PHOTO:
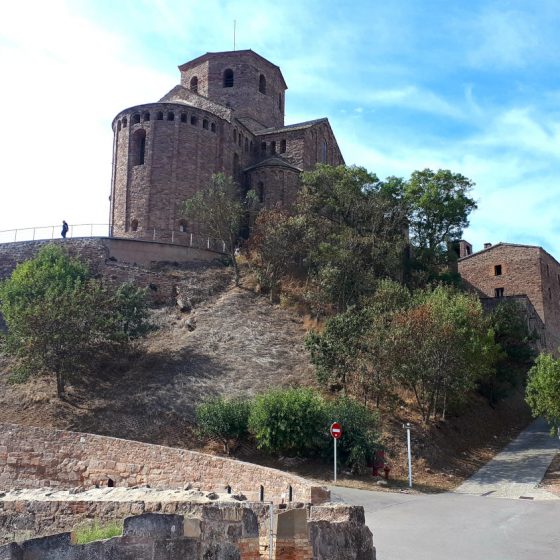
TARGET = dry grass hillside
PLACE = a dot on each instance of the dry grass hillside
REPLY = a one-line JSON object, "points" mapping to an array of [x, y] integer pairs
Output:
{"points": [[234, 342]]}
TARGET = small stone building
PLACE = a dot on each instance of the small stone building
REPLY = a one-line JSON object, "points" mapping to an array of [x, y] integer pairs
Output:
{"points": [[526, 273], [226, 115]]}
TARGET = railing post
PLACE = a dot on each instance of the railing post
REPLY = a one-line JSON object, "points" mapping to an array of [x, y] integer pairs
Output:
{"points": [[91, 231], [52, 233], [33, 234], [191, 239], [15, 235]]}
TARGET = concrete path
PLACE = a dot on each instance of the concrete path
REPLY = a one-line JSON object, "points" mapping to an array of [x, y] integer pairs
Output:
{"points": [[518, 469]]}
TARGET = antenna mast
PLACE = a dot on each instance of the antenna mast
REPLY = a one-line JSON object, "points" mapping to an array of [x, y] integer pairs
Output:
{"points": [[234, 23]]}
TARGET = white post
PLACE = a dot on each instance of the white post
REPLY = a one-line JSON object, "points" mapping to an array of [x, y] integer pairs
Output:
{"points": [[52, 233], [91, 230], [334, 459], [15, 235], [208, 243], [191, 239], [172, 235], [154, 235], [409, 455], [33, 234]]}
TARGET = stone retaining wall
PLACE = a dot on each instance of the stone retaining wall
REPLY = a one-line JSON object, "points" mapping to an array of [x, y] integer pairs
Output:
{"points": [[37, 457]]}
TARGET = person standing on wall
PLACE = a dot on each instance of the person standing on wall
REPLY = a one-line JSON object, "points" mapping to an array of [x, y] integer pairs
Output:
{"points": [[64, 229]]}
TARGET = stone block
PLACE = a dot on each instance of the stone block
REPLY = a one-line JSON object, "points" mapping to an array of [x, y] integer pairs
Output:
{"points": [[159, 525]]}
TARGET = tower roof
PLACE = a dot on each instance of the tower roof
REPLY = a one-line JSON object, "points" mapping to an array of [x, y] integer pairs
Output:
{"points": [[231, 55]]}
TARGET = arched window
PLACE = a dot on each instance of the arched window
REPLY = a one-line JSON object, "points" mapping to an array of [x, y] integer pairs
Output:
{"points": [[194, 84], [124, 123], [183, 117], [183, 226], [273, 147], [171, 116], [228, 78], [324, 151], [205, 124], [235, 165], [213, 127], [282, 146], [146, 116], [262, 83], [135, 119], [134, 225], [119, 125], [138, 147], [263, 147], [194, 120], [160, 116], [260, 191]]}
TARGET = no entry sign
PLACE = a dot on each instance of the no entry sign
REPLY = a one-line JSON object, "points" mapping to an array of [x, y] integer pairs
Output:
{"points": [[336, 430]]}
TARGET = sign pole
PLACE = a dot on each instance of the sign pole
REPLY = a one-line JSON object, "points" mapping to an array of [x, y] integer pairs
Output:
{"points": [[407, 426], [334, 459]]}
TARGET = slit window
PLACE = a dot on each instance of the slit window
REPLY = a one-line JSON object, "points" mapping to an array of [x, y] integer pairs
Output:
{"points": [[228, 78], [262, 84], [171, 116], [273, 147], [263, 147], [235, 135], [324, 151], [136, 119], [124, 123], [134, 225], [282, 146], [146, 117], [139, 147], [213, 127], [260, 191], [194, 84], [498, 270], [183, 226], [205, 124], [183, 117], [498, 292], [246, 144]]}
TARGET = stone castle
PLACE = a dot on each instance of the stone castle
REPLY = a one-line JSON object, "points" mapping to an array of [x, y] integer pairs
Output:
{"points": [[226, 115]]}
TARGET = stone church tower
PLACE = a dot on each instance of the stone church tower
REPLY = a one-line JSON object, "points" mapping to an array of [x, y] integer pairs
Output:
{"points": [[226, 115]]}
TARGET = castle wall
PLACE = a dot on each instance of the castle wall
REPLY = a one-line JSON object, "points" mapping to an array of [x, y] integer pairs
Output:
{"points": [[38, 457]]}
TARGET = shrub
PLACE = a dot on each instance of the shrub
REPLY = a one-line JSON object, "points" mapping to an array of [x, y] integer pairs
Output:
{"points": [[290, 421], [359, 433], [543, 390], [225, 420]]}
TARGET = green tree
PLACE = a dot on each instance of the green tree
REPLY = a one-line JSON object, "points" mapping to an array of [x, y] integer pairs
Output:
{"points": [[288, 421], [61, 321], [223, 419], [543, 390], [438, 209], [220, 212]]}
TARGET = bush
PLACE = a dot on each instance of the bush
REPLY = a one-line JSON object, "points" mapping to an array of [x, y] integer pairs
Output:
{"points": [[543, 390], [359, 433], [225, 420], [289, 421]]}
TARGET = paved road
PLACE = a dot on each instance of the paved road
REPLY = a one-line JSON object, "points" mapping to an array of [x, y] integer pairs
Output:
{"points": [[519, 468], [458, 527]]}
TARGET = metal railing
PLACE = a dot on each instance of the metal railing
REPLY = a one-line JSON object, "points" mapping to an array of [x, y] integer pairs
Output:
{"points": [[176, 237]]}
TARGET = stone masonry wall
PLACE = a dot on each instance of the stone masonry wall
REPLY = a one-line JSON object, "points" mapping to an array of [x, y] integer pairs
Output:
{"points": [[37, 457]]}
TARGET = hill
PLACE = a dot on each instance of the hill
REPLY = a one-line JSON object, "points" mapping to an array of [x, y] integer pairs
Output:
{"points": [[234, 342]]}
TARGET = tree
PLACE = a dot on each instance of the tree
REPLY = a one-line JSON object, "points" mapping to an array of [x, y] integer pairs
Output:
{"points": [[438, 208], [61, 321], [543, 390], [220, 211], [226, 420]]}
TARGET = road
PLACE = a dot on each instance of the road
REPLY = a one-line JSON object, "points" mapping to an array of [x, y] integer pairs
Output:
{"points": [[458, 527]]}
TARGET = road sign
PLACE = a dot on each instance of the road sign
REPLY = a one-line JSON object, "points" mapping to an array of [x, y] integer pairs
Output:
{"points": [[336, 430]]}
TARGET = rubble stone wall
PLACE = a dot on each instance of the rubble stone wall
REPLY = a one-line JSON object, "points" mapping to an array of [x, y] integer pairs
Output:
{"points": [[37, 457]]}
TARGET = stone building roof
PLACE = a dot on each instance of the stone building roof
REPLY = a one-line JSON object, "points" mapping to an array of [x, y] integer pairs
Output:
{"points": [[274, 161], [504, 244]]}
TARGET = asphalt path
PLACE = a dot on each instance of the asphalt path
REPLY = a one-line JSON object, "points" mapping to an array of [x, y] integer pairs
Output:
{"points": [[458, 527]]}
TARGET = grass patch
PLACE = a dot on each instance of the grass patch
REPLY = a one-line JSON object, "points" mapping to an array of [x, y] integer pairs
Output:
{"points": [[96, 531]]}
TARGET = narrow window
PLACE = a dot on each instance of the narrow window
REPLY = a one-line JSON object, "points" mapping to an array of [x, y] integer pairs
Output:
{"points": [[498, 292], [262, 84], [183, 117], [138, 147], [213, 127], [124, 123], [239, 140], [235, 135], [119, 125], [235, 165], [160, 116], [498, 270], [324, 151], [134, 225], [246, 144], [136, 119], [171, 116], [260, 191], [273, 147], [205, 124], [183, 226], [194, 120], [146, 117], [194, 84], [228, 78], [251, 150], [283, 146], [263, 147]]}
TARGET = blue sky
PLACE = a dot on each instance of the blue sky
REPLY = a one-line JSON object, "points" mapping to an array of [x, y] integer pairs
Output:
{"points": [[469, 86]]}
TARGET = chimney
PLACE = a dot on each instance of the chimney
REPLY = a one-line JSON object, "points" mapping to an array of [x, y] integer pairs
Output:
{"points": [[487, 245]]}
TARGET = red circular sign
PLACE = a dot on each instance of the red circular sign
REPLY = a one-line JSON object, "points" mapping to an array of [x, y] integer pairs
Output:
{"points": [[336, 430]]}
